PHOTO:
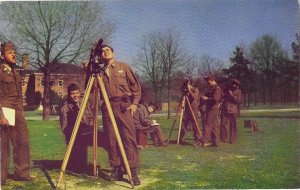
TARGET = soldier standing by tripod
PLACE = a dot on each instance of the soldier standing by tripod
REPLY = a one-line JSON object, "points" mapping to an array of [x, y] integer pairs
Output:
{"points": [[124, 92], [193, 96], [212, 101]]}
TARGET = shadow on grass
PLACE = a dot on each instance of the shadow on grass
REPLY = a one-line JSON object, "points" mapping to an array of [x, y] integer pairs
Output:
{"points": [[47, 165], [273, 116]]}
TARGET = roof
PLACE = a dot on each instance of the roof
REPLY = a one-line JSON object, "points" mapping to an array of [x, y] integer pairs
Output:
{"points": [[62, 68]]}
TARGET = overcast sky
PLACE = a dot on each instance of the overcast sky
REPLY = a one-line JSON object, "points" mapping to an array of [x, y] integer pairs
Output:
{"points": [[212, 27]]}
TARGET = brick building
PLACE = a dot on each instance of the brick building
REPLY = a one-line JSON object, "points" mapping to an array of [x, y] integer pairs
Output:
{"points": [[60, 79]]}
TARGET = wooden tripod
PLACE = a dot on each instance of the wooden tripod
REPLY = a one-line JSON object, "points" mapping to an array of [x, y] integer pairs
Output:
{"points": [[181, 108], [77, 124]]}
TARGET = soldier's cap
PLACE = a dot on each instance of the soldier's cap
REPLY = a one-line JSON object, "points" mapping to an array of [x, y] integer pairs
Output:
{"points": [[72, 87], [236, 81], [7, 47], [106, 45], [209, 77], [154, 105]]}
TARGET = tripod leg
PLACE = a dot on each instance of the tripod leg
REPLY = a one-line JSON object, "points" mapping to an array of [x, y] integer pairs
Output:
{"points": [[75, 130], [95, 133], [172, 128], [194, 117], [180, 121], [115, 128]]}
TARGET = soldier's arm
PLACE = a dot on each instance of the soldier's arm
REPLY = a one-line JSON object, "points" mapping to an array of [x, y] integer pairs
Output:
{"points": [[1, 112], [134, 86], [193, 93], [236, 96], [3, 120], [217, 95], [63, 117], [137, 120]]}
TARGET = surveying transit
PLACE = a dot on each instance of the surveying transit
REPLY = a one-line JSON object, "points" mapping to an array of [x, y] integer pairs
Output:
{"points": [[95, 70], [183, 105]]}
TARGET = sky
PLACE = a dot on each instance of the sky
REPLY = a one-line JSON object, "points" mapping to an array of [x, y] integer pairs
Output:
{"points": [[210, 27]]}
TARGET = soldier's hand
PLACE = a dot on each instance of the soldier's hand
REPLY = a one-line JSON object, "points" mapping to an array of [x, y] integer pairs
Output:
{"points": [[230, 92], [132, 108], [204, 97], [4, 122]]}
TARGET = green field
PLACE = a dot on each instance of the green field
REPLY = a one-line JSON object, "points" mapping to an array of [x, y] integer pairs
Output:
{"points": [[267, 159]]}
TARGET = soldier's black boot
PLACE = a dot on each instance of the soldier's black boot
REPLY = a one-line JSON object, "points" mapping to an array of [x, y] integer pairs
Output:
{"points": [[135, 178], [117, 174]]}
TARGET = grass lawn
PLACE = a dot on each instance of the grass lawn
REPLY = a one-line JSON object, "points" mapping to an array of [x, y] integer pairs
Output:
{"points": [[267, 159]]}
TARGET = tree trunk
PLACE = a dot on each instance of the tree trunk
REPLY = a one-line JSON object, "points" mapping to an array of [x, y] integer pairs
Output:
{"points": [[46, 102], [297, 99], [169, 88], [249, 99]]}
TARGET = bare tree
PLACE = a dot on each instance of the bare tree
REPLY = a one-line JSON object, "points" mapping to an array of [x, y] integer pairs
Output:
{"points": [[209, 65], [296, 57], [159, 58], [149, 63], [54, 32], [171, 55], [189, 67]]}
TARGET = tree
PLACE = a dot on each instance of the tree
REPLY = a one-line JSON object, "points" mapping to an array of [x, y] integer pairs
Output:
{"points": [[55, 32], [159, 58], [266, 53], [171, 55], [296, 57], [209, 65], [30, 91], [241, 71], [150, 65]]}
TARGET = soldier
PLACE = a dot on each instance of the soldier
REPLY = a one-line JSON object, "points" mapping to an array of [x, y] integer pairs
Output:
{"points": [[193, 96], [143, 124], [124, 92], [68, 115], [11, 97], [212, 103], [229, 110]]}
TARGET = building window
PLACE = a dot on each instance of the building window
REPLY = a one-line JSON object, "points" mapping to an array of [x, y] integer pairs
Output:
{"points": [[60, 82], [41, 81], [23, 82]]}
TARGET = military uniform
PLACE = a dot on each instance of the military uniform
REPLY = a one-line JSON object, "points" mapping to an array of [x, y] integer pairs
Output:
{"points": [[123, 89], [68, 113], [143, 124], [188, 119], [211, 114], [11, 97], [229, 112]]}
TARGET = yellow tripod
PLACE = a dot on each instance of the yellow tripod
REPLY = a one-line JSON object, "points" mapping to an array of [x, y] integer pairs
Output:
{"points": [[77, 124], [181, 109]]}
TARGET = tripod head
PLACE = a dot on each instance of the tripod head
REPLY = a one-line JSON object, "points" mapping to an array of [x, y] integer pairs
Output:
{"points": [[185, 87], [96, 64]]}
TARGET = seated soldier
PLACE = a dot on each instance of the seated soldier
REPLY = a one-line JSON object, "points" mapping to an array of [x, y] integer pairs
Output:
{"points": [[78, 159], [143, 124]]}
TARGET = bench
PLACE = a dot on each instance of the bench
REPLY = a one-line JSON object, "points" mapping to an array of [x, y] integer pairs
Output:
{"points": [[141, 138]]}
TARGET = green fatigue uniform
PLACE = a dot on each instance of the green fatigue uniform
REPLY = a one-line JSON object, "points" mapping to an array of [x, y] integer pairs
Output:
{"points": [[211, 114], [11, 97], [143, 124], [193, 97], [229, 112], [79, 155], [123, 89]]}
